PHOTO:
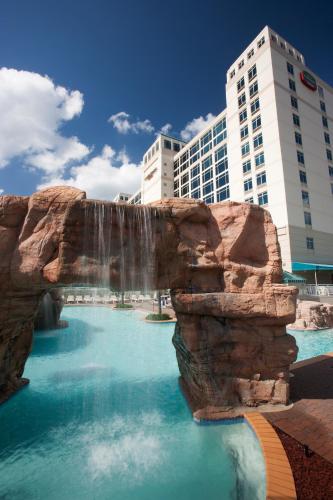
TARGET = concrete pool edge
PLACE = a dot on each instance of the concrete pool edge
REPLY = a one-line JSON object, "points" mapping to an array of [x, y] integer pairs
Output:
{"points": [[279, 477]]}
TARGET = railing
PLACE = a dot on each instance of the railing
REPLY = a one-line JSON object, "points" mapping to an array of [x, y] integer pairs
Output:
{"points": [[315, 290]]}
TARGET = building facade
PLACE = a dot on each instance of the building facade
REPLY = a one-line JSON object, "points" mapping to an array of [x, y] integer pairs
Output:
{"points": [[272, 145]]}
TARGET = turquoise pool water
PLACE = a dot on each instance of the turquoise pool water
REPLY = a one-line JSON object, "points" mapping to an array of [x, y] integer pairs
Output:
{"points": [[313, 343], [103, 418]]}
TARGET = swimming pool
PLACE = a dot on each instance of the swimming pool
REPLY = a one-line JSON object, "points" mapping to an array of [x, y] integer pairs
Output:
{"points": [[103, 418], [313, 343]]}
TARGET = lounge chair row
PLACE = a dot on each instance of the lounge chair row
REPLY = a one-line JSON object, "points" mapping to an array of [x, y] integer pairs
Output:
{"points": [[105, 299]]}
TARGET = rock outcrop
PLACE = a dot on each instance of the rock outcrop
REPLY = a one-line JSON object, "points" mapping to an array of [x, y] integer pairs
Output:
{"points": [[312, 315], [221, 262]]}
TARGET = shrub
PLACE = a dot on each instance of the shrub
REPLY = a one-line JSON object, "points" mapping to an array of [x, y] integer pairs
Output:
{"points": [[158, 317], [124, 306]]}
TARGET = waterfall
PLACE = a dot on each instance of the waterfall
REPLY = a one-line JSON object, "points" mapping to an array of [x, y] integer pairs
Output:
{"points": [[119, 245]]}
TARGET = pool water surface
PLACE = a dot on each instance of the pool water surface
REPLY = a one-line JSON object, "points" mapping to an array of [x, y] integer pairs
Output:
{"points": [[103, 418]]}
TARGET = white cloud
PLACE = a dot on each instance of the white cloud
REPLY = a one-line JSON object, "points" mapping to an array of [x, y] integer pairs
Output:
{"points": [[195, 126], [32, 111], [122, 123], [166, 129], [103, 176]]}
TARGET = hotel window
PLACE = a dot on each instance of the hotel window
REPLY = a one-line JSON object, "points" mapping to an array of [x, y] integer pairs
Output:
{"points": [[194, 158], [306, 198], [261, 42], [296, 121], [158, 146], [300, 157], [194, 148], [221, 125], [249, 200], [209, 199], [240, 84], [145, 159], [247, 167], [176, 146], [220, 138], [176, 166], [185, 190], [255, 105], [261, 179], [223, 194], [291, 52], [195, 171], [273, 38], [221, 166], [244, 132], [184, 157], [298, 138], [195, 194], [241, 100], [177, 193], [220, 153], [207, 162], [248, 185], [176, 184], [283, 45], [206, 138], [332, 189], [327, 138], [259, 160], [294, 102], [330, 171], [257, 141], [302, 177], [185, 178], [207, 148], [195, 183], [222, 180], [184, 166], [256, 123], [207, 175], [253, 89], [241, 64], [250, 53], [252, 72], [320, 91], [208, 188], [329, 154], [149, 155], [245, 149], [310, 243], [292, 85], [232, 73], [307, 219], [325, 123], [167, 144], [290, 68], [323, 106], [263, 198], [242, 116]]}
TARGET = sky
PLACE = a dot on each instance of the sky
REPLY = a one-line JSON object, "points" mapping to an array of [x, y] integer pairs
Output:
{"points": [[86, 85]]}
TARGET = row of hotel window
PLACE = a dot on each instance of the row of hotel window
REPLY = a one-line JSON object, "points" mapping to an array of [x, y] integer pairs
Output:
{"points": [[250, 54], [194, 154], [262, 199], [208, 194], [252, 73], [167, 144], [205, 167], [261, 181], [257, 142]]}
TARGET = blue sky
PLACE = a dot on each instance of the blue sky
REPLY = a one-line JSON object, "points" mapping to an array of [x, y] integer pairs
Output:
{"points": [[161, 63]]}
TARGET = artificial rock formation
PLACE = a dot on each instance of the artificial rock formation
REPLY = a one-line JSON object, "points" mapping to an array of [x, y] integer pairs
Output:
{"points": [[312, 315], [221, 262]]}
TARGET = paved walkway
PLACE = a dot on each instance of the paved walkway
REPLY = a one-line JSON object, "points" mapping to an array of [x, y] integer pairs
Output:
{"points": [[310, 420]]}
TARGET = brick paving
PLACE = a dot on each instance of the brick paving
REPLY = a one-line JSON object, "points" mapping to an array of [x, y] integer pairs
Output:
{"points": [[310, 420]]}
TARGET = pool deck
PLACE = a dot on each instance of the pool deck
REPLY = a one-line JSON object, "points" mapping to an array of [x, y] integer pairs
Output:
{"points": [[310, 420]]}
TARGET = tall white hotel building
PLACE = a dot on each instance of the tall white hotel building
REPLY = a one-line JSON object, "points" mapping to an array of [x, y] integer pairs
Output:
{"points": [[270, 146]]}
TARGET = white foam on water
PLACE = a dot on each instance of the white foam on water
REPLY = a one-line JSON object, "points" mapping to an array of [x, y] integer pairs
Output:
{"points": [[132, 456]]}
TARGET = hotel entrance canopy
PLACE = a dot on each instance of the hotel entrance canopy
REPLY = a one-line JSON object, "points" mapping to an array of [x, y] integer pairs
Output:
{"points": [[310, 266]]}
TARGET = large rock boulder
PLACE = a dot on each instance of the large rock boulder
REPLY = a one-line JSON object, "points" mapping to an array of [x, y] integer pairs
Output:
{"points": [[221, 262], [312, 315]]}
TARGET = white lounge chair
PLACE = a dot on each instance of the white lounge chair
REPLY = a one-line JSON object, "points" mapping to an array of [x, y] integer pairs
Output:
{"points": [[114, 299], [134, 298], [79, 299], [106, 299], [141, 298], [88, 299], [70, 299]]}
